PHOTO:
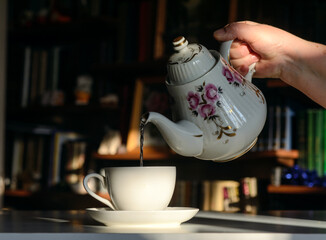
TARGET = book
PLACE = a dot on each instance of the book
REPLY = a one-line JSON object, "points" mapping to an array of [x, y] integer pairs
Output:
{"points": [[43, 74], [302, 138], [60, 138], [30, 157], [206, 195], [159, 45], [311, 139], [278, 128], [195, 194], [17, 161], [185, 194], [40, 152], [271, 128], [249, 193], [26, 76], [318, 142], [55, 68], [73, 160], [223, 193], [288, 128], [34, 77]]}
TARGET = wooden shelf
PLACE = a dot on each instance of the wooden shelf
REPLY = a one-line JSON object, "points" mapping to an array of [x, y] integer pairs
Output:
{"points": [[292, 189], [149, 153], [283, 157], [66, 109], [273, 154], [17, 193]]}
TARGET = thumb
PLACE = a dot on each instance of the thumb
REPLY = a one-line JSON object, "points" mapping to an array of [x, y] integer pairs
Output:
{"points": [[239, 30]]}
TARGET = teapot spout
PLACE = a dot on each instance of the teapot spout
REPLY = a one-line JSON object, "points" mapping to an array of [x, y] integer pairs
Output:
{"points": [[184, 137]]}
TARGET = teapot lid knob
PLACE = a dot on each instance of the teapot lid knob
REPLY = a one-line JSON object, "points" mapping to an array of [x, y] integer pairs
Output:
{"points": [[180, 43], [188, 62]]}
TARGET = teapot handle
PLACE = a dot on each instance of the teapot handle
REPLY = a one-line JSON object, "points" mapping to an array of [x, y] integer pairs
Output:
{"points": [[225, 53]]}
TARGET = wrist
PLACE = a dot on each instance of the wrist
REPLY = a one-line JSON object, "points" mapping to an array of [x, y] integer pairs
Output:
{"points": [[305, 70], [296, 61]]}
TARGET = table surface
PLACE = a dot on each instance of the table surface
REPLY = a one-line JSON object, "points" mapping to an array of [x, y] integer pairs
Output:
{"points": [[287, 225]]}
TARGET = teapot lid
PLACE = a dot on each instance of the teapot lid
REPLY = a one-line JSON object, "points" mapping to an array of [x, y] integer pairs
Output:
{"points": [[189, 62]]}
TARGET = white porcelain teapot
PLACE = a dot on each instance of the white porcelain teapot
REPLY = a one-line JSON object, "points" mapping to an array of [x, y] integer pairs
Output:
{"points": [[218, 114]]}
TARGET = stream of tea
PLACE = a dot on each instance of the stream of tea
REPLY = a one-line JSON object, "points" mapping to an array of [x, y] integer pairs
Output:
{"points": [[141, 133]]}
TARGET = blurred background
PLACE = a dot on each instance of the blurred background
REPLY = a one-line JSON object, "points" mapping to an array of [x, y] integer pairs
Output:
{"points": [[78, 74]]}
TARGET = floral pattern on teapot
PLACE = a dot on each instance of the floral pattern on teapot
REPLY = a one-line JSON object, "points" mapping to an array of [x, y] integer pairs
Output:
{"points": [[206, 99], [203, 102], [234, 78]]}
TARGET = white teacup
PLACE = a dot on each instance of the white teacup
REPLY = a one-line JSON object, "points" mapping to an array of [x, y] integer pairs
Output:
{"points": [[136, 188]]}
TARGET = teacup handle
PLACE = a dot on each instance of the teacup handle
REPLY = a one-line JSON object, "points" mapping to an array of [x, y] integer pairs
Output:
{"points": [[225, 53], [93, 194]]}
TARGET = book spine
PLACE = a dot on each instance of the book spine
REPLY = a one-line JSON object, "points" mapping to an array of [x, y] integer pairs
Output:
{"points": [[278, 122], [206, 195], [310, 139], [26, 76], [55, 68], [318, 143], [271, 128], [288, 131], [35, 76], [17, 161], [159, 46], [43, 74], [302, 139]]}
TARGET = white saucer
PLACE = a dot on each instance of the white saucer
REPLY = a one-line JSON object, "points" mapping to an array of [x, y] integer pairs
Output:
{"points": [[171, 217]]}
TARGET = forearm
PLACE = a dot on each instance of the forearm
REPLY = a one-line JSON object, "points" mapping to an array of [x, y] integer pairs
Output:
{"points": [[305, 69]]}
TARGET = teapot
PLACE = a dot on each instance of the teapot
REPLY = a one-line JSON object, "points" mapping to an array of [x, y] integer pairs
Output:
{"points": [[217, 113]]}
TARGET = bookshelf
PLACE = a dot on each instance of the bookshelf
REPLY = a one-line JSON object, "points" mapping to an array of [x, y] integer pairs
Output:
{"points": [[101, 43], [48, 53]]}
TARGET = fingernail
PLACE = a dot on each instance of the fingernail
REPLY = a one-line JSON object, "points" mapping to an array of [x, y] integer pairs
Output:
{"points": [[225, 27], [255, 57], [217, 32]]}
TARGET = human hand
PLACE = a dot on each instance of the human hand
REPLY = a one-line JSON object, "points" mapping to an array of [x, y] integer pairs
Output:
{"points": [[277, 54], [267, 46]]}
